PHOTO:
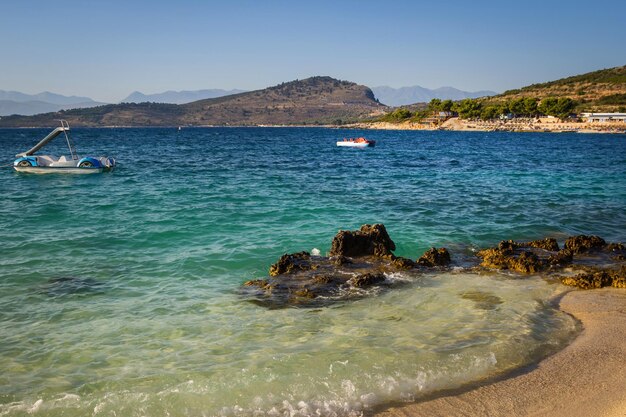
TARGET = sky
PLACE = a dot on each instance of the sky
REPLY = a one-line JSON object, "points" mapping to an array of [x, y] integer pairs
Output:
{"points": [[107, 49]]}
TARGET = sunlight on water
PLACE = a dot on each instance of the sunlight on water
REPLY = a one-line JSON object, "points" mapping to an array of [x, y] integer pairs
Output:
{"points": [[183, 354], [119, 292]]}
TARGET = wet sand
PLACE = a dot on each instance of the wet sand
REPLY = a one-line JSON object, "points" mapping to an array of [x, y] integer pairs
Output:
{"points": [[587, 378]]}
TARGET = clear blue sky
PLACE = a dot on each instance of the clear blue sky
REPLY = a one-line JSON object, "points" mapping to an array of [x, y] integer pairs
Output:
{"points": [[107, 49]]}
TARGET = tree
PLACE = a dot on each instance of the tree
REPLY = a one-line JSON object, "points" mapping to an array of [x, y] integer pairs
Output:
{"points": [[446, 105], [530, 106], [490, 112], [559, 107], [397, 115], [517, 106], [468, 108], [434, 105]]}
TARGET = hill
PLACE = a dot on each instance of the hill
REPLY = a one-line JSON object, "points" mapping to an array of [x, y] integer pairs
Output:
{"points": [[315, 100], [416, 94], [602, 90], [178, 97]]}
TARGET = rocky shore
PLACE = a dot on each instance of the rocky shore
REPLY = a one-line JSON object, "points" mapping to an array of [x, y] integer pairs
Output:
{"points": [[586, 378], [513, 125], [362, 261]]}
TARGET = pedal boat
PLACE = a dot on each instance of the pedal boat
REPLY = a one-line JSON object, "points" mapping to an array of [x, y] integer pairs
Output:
{"points": [[357, 143], [72, 164]]}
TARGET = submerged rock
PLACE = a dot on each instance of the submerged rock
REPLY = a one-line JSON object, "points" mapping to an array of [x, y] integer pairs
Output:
{"points": [[64, 286]]}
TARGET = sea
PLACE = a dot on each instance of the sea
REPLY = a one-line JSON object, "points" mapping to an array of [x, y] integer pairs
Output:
{"points": [[120, 293]]}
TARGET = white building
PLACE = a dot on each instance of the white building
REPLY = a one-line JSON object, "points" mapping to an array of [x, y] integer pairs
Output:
{"points": [[604, 117]]}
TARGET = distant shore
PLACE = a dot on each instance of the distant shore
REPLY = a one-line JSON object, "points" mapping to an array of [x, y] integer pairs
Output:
{"points": [[513, 125], [587, 378]]}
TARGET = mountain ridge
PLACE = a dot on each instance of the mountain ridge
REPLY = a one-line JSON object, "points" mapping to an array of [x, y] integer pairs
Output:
{"points": [[312, 101], [15, 102], [417, 94], [179, 97]]}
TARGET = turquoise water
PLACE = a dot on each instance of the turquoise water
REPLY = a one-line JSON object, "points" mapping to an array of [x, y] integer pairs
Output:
{"points": [[152, 323]]}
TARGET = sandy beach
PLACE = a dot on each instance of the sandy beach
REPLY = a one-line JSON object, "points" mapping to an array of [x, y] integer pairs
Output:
{"points": [[587, 378]]}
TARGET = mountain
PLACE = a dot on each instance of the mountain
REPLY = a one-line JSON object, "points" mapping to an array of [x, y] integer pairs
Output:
{"points": [[602, 90], [315, 100], [416, 94], [14, 102], [178, 97]]}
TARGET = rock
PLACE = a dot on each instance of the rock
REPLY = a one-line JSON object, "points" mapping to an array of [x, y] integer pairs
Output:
{"points": [[619, 278], [561, 258], [305, 293], [402, 263], [582, 243], [369, 240], [289, 263], [504, 258], [588, 280], [261, 283], [549, 244], [598, 279], [435, 257], [526, 262], [341, 260], [366, 280], [495, 258]]}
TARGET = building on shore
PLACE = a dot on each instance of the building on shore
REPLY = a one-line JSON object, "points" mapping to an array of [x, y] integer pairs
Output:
{"points": [[604, 117]]}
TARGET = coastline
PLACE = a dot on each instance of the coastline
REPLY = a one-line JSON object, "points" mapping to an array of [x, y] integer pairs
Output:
{"points": [[586, 378], [514, 125]]}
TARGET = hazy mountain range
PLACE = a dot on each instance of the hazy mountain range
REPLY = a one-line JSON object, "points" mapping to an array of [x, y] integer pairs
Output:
{"points": [[416, 94], [14, 102], [178, 97], [313, 101]]}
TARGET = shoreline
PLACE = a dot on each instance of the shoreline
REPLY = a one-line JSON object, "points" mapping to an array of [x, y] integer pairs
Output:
{"points": [[514, 125], [586, 378], [453, 124]]}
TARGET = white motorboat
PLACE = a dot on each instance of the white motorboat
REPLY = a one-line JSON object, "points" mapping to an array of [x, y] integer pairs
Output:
{"points": [[43, 164], [357, 143]]}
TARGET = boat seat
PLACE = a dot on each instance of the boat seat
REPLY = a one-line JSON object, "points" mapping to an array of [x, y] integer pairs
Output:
{"points": [[62, 158]]}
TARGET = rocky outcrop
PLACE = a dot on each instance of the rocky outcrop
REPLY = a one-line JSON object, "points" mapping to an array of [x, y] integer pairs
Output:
{"points": [[435, 257], [597, 279], [542, 255], [369, 240], [581, 244], [580, 252], [359, 260], [289, 263]]}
